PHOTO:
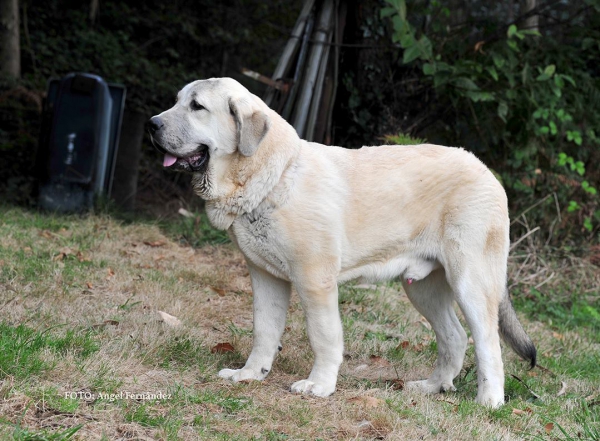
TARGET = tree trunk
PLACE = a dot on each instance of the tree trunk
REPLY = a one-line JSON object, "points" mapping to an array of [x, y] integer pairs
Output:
{"points": [[10, 50]]}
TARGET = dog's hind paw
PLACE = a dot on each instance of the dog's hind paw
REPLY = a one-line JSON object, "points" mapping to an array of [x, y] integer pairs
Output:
{"points": [[310, 387], [243, 374], [428, 387]]}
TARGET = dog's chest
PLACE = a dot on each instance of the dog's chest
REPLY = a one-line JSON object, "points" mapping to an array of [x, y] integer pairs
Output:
{"points": [[256, 236]]}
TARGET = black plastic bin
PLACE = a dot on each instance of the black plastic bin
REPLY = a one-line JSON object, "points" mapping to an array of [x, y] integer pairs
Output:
{"points": [[79, 141]]}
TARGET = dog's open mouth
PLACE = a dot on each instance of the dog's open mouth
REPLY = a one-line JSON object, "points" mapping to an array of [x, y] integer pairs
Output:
{"points": [[193, 163]]}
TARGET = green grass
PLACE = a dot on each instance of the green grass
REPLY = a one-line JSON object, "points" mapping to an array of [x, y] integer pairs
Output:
{"points": [[54, 338], [24, 434], [21, 349], [228, 402], [194, 231], [180, 352], [563, 308]]}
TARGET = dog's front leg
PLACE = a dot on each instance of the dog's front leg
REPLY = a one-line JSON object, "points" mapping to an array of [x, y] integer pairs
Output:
{"points": [[271, 297], [324, 329]]}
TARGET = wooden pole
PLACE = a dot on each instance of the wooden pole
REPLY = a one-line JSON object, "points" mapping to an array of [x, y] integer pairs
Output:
{"points": [[289, 53], [322, 34]]}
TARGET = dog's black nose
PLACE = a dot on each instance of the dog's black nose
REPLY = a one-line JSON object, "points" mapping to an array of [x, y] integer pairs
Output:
{"points": [[155, 124]]}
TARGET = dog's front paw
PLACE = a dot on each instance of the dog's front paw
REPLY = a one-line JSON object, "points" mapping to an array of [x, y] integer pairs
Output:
{"points": [[310, 387], [243, 374], [490, 400]]}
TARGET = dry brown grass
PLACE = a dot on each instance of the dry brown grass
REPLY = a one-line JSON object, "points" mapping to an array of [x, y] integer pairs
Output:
{"points": [[96, 273]]}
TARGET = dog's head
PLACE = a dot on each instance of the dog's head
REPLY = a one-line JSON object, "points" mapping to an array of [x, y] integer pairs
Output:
{"points": [[211, 123]]}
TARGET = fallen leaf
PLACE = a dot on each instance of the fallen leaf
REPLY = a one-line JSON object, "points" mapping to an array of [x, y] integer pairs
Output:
{"points": [[563, 389], [548, 428], [110, 273], [221, 292], [82, 258], [375, 359], [526, 411], [62, 253], [396, 384], [89, 285], [418, 347], [366, 401], [557, 336], [221, 348], [404, 345], [169, 319], [155, 244], [479, 47], [45, 233]]}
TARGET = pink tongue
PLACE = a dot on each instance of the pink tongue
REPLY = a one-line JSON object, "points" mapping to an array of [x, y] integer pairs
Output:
{"points": [[169, 160]]}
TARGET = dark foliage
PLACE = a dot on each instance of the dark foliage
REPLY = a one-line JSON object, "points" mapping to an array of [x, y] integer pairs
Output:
{"points": [[526, 101]]}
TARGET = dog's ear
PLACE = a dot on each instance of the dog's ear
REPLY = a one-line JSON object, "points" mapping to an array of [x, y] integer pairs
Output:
{"points": [[252, 124]]}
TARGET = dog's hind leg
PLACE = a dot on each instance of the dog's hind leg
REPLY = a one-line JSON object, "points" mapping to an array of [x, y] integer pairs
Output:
{"points": [[271, 297], [479, 293], [433, 298]]}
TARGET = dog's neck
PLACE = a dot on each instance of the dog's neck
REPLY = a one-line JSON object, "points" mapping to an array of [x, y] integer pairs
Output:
{"points": [[258, 182]]}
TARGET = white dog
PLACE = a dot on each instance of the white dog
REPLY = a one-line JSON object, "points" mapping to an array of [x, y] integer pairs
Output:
{"points": [[311, 216]]}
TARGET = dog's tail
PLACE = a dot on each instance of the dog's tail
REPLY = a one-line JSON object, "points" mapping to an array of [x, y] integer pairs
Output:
{"points": [[512, 331]]}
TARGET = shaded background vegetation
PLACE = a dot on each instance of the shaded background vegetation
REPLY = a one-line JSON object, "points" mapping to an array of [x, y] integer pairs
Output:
{"points": [[514, 82]]}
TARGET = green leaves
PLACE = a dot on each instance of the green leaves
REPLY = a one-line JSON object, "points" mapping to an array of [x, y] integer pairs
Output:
{"points": [[588, 188], [573, 206], [566, 160], [429, 69], [493, 73], [404, 33], [574, 136], [511, 96], [465, 83], [547, 73], [411, 53], [502, 110], [396, 6]]}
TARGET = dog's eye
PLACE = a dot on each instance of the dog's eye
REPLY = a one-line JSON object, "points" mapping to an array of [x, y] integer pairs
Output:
{"points": [[195, 105]]}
